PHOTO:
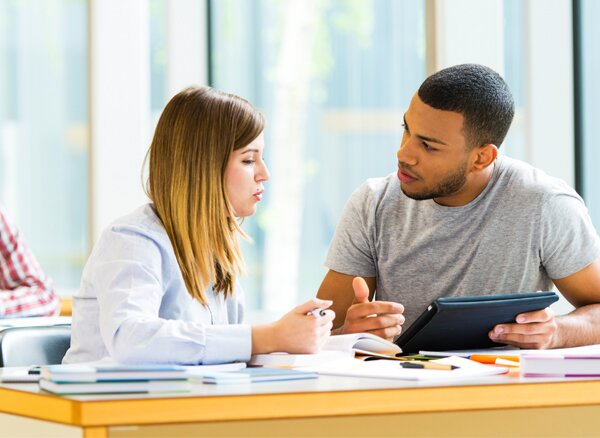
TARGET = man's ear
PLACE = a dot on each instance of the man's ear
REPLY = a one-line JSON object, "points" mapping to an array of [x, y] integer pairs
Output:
{"points": [[485, 155]]}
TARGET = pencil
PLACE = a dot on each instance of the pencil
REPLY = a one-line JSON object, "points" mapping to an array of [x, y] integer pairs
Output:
{"points": [[428, 365]]}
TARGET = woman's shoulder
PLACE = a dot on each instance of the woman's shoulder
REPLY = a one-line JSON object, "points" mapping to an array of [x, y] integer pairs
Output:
{"points": [[142, 224], [142, 218]]}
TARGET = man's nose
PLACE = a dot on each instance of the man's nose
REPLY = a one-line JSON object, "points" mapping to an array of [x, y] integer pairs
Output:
{"points": [[406, 153]]}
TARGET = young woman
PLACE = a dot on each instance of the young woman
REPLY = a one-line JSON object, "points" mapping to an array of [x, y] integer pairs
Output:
{"points": [[161, 283]]}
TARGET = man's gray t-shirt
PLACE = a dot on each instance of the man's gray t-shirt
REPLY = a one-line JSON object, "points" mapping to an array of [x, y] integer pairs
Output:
{"points": [[524, 229]]}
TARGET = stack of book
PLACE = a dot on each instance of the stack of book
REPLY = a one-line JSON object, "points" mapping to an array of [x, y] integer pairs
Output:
{"points": [[551, 364], [99, 379]]}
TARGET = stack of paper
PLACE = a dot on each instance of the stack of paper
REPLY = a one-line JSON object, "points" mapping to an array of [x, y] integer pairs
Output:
{"points": [[549, 364], [86, 379]]}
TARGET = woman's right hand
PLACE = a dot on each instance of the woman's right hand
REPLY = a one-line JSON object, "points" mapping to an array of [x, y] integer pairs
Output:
{"points": [[297, 331]]}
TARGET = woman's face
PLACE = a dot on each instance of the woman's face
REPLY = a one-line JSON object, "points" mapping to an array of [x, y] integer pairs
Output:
{"points": [[244, 176]]}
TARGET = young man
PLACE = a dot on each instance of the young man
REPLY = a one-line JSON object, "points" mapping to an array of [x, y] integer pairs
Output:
{"points": [[24, 289], [457, 219]]}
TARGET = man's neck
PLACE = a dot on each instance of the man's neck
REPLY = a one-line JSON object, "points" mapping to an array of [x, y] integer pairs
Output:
{"points": [[475, 184]]}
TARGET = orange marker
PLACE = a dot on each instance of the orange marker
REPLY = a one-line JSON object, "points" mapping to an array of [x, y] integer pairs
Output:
{"points": [[491, 358]]}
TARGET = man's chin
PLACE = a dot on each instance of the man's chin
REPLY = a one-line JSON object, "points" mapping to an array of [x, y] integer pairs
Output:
{"points": [[417, 196]]}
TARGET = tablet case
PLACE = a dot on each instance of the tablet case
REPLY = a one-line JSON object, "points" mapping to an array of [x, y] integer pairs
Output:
{"points": [[463, 323]]}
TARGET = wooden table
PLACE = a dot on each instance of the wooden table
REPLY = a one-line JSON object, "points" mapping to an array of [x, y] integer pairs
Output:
{"points": [[327, 406]]}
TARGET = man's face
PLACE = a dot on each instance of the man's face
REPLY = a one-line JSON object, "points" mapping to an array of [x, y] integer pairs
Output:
{"points": [[433, 159]]}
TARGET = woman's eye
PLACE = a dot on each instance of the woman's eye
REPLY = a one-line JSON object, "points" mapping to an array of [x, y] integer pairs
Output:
{"points": [[248, 161]]}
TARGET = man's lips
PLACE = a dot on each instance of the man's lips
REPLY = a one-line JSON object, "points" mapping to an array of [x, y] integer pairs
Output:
{"points": [[405, 177]]}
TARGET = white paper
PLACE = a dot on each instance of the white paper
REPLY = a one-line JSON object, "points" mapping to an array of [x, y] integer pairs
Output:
{"points": [[35, 321], [17, 375], [391, 369]]}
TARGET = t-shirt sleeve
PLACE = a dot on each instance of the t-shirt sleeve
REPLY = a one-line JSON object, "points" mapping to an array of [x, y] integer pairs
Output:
{"points": [[352, 249], [569, 240]]}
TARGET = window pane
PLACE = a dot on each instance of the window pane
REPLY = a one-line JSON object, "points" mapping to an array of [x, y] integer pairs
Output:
{"points": [[333, 79], [590, 98], [158, 59], [44, 130], [515, 144]]}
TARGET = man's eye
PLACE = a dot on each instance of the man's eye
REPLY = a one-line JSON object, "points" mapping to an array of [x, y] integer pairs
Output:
{"points": [[428, 148]]}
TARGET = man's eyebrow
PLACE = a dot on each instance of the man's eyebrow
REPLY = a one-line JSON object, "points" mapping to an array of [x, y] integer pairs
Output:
{"points": [[423, 137]]}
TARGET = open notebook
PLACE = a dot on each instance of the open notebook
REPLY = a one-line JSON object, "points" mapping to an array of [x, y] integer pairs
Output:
{"points": [[391, 369], [337, 347]]}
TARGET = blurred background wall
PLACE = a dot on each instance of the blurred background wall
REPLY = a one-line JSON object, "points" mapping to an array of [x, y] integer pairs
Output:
{"points": [[82, 83]]}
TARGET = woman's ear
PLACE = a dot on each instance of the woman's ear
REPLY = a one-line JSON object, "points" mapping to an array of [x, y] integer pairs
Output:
{"points": [[484, 156]]}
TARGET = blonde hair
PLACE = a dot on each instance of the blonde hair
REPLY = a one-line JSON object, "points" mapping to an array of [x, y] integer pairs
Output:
{"points": [[195, 136]]}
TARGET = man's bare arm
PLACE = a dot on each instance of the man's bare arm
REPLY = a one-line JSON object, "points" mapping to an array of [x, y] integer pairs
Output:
{"points": [[542, 329], [338, 288], [355, 312]]}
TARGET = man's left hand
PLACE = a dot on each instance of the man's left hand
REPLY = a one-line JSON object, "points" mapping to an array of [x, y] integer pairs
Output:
{"points": [[535, 330]]}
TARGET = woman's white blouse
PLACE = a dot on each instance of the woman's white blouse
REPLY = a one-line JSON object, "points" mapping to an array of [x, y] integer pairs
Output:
{"points": [[133, 305]]}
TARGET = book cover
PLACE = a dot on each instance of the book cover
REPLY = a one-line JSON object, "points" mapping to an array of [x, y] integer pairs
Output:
{"points": [[115, 387], [252, 375], [117, 372], [108, 373]]}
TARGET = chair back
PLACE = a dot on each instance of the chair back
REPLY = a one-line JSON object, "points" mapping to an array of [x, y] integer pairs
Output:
{"points": [[28, 346]]}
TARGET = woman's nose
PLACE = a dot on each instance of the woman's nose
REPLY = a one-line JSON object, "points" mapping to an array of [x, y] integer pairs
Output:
{"points": [[263, 173]]}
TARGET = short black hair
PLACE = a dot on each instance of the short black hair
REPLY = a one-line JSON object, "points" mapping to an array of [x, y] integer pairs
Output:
{"points": [[479, 94]]}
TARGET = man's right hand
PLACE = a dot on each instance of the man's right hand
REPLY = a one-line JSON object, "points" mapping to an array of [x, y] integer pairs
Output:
{"points": [[381, 318]]}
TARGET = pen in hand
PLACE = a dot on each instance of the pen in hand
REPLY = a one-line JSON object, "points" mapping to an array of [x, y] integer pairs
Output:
{"points": [[316, 312]]}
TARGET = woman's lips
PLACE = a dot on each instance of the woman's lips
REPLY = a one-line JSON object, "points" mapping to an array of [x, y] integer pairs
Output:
{"points": [[405, 177], [258, 195]]}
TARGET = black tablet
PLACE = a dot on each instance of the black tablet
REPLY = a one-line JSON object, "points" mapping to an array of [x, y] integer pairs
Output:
{"points": [[463, 323]]}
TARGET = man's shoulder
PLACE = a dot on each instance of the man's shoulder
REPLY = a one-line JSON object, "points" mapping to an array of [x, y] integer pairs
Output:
{"points": [[523, 178]]}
